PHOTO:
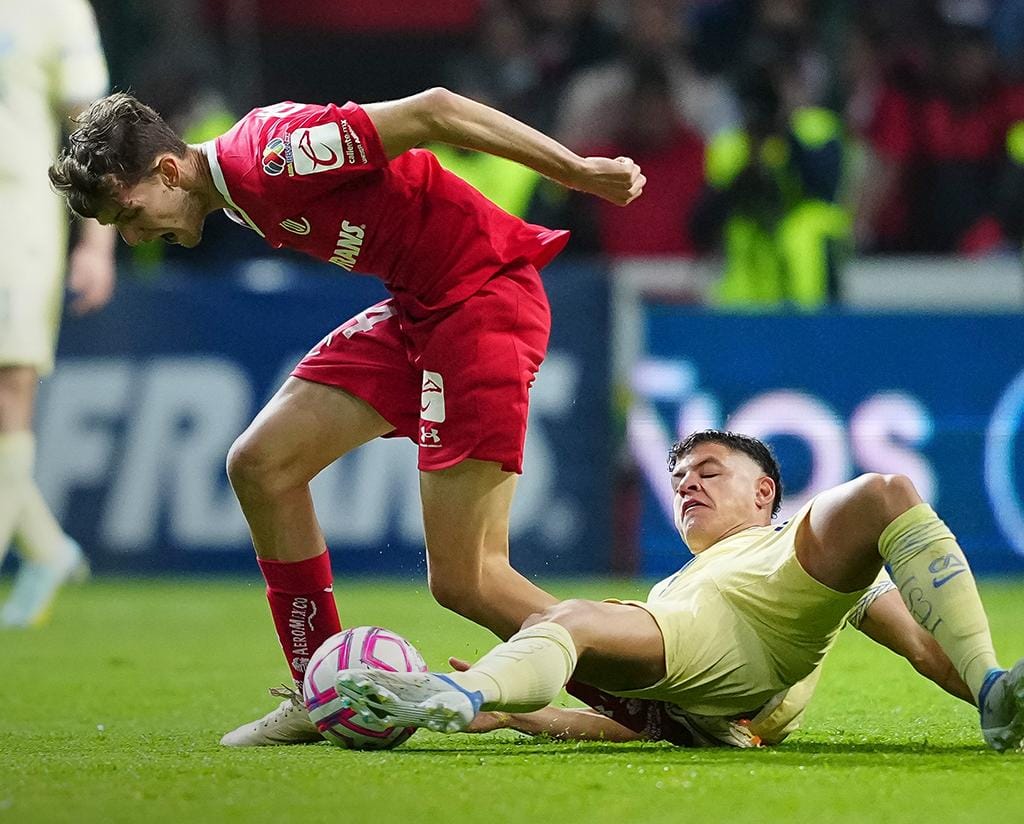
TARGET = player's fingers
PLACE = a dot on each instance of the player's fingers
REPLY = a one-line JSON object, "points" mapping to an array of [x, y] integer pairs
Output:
{"points": [[83, 305], [91, 299], [85, 301], [458, 664]]}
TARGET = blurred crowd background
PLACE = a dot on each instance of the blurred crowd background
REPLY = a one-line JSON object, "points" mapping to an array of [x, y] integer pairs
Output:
{"points": [[827, 255], [784, 135]]}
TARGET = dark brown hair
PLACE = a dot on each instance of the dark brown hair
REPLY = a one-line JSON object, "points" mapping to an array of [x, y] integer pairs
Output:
{"points": [[757, 450], [116, 142]]}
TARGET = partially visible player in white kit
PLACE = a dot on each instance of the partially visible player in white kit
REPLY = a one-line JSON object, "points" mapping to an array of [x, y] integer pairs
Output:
{"points": [[51, 67]]}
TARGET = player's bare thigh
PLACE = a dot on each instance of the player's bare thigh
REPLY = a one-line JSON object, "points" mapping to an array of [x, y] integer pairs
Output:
{"points": [[837, 543], [17, 397], [305, 427], [620, 646], [468, 504], [466, 523]]}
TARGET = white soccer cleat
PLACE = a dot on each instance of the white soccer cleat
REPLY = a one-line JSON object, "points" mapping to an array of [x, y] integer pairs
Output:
{"points": [[713, 731], [408, 699], [288, 724], [1002, 709], [37, 583]]}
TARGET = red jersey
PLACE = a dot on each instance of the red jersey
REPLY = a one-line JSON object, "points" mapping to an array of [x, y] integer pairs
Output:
{"points": [[316, 179]]}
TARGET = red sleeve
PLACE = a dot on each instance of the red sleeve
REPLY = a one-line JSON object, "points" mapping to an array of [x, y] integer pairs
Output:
{"points": [[306, 150], [892, 129]]}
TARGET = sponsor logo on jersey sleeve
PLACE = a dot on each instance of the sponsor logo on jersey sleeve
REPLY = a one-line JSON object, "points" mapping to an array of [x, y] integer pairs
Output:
{"points": [[432, 397], [317, 149], [353, 145]]}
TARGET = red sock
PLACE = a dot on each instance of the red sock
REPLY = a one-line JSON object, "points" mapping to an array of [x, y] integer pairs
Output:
{"points": [[302, 602]]}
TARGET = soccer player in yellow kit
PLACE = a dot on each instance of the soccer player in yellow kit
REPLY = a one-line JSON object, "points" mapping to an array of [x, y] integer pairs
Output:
{"points": [[51, 66], [750, 617]]}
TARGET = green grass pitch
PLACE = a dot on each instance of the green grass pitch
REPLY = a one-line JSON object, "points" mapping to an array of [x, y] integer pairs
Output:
{"points": [[112, 713]]}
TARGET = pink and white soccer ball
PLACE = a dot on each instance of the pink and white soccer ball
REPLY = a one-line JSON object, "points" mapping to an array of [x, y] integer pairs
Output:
{"points": [[358, 648]]}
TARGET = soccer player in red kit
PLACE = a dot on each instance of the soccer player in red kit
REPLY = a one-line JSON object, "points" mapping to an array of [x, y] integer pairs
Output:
{"points": [[447, 361]]}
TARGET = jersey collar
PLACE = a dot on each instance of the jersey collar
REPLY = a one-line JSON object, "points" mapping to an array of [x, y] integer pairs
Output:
{"points": [[210, 150]]}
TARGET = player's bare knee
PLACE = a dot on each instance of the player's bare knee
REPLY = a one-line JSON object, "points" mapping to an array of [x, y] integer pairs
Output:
{"points": [[888, 495], [248, 464], [461, 594], [578, 615], [17, 391]]}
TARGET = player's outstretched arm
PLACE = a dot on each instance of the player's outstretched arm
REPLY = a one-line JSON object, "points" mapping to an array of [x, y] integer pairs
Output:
{"points": [[446, 117], [888, 622], [557, 722]]}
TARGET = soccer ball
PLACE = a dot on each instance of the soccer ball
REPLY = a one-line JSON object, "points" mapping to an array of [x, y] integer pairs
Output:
{"points": [[358, 648]]}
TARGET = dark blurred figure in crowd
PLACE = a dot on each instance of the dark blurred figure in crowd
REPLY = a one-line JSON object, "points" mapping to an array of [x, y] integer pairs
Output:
{"points": [[566, 37], [938, 143], [771, 199], [880, 45], [499, 65], [786, 38], [653, 31], [524, 51], [1007, 26], [650, 130]]}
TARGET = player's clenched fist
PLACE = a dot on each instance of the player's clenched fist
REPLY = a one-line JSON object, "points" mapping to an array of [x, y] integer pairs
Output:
{"points": [[618, 180]]}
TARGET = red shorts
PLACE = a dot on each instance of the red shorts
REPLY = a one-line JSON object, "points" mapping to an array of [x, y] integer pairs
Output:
{"points": [[457, 381]]}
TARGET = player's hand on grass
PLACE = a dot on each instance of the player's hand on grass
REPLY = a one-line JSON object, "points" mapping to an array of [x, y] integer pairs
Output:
{"points": [[617, 180], [90, 278], [484, 721]]}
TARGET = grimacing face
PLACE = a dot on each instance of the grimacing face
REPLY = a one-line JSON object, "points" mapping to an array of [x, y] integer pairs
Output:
{"points": [[718, 492], [157, 207]]}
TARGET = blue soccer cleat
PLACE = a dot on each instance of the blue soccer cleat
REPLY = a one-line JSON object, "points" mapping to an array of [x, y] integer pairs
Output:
{"points": [[37, 583], [408, 699], [1001, 705]]}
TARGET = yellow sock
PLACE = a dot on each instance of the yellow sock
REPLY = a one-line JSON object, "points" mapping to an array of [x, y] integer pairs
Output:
{"points": [[16, 457], [37, 533], [932, 575], [525, 673]]}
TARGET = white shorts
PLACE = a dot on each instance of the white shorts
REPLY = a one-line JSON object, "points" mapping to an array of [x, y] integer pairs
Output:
{"points": [[34, 244]]}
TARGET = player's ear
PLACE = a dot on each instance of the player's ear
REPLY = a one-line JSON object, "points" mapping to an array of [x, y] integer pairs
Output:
{"points": [[765, 492], [168, 167]]}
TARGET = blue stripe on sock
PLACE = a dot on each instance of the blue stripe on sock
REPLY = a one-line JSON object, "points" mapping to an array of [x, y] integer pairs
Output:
{"points": [[991, 677], [475, 697]]}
